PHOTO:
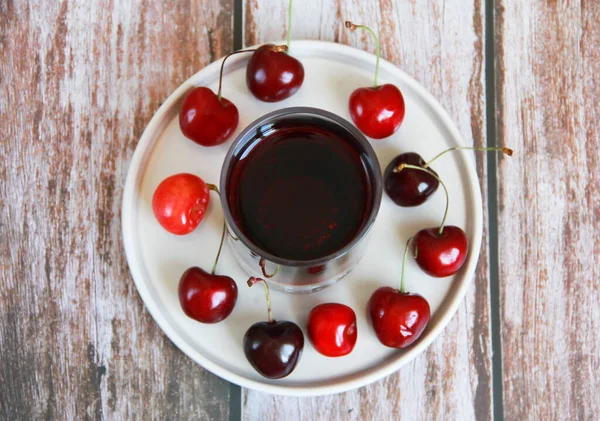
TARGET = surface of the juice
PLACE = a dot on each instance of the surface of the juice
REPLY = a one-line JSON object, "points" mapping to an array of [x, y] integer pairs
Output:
{"points": [[300, 194]]}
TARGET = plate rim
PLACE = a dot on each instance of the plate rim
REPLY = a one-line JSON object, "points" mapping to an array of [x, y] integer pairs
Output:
{"points": [[144, 147]]}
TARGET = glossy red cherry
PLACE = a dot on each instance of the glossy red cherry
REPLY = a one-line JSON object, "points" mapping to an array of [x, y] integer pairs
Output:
{"points": [[179, 202], [207, 120], [273, 75], [332, 329], [206, 297], [377, 111], [439, 251], [273, 348], [441, 254], [398, 318], [409, 187], [413, 187]]}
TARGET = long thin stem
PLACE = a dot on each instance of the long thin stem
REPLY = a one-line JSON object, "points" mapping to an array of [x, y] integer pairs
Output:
{"points": [[404, 264], [223, 66], [353, 27], [263, 267], [507, 151], [289, 26], [428, 171], [214, 268], [253, 281]]}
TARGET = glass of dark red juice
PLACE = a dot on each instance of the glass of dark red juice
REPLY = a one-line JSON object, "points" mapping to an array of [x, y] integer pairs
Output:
{"points": [[301, 188]]}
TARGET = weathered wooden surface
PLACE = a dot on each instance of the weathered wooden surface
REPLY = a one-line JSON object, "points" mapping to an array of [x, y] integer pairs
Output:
{"points": [[441, 44], [549, 207], [79, 80]]}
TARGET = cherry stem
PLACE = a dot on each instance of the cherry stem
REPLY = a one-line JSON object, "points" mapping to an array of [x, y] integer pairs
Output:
{"points": [[404, 264], [430, 172], [214, 268], [263, 268], [507, 151], [289, 28], [353, 27], [223, 66], [253, 281]]}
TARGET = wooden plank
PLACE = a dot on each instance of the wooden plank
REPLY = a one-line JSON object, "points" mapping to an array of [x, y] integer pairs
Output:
{"points": [[440, 43], [79, 81], [549, 208]]}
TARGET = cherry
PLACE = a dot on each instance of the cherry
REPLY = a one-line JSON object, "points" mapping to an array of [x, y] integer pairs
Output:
{"points": [[273, 348], [412, 187], [440, 251], [272, 74], [180, 201], [409, 187], [332, 329], [207, 297], [377, 111], [206, 118], [398, 317]]}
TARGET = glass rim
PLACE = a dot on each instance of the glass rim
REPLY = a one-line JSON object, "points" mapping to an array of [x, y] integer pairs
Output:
{"points": [[373, 170]]}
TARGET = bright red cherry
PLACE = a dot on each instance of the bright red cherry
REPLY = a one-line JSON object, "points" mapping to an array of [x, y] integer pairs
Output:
{"points": [[273, 75], [441, 253], [332, 329], [180, 201], [413, 187], [398, 317], [273, 348], [206, 297], [377, 111]]}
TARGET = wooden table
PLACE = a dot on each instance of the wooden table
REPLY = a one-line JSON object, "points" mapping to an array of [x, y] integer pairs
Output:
{"points": [[79, 80]]}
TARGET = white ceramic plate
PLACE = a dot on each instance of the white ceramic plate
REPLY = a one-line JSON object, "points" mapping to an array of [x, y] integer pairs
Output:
{"points": [[157, 259]]}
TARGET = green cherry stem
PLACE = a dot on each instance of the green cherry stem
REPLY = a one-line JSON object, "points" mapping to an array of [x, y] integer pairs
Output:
{"points": [[353, 27], [253, 281], [214, 268], [507, 151], [402, 291], [289, 28], [428, 171]]}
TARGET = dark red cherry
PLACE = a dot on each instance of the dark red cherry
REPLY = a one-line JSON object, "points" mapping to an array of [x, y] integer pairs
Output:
{"points": [[273, 348], [332, 329], [409, 187], [398, 318], [272, 74], [206, 297], [441, 254], [205, 119]]}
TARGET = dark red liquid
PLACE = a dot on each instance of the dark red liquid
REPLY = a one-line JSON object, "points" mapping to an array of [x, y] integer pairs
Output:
{"points": [[300, 193]]}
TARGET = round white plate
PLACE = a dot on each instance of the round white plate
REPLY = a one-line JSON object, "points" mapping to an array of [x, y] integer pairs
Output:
{"points": [[157, 259]]}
